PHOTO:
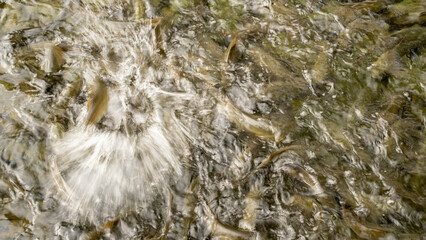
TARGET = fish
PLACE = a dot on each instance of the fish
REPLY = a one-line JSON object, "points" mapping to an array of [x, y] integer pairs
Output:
{"points": [[320, 68], [367, 231], [256, 125], [269, 160], [229, 49], [252, 205], [189, 206], [98, 104], [407, 12], [51, 56], [224, 231]]}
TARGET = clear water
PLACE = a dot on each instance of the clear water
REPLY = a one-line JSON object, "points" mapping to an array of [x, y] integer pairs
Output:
{"points": [[212, 119]]}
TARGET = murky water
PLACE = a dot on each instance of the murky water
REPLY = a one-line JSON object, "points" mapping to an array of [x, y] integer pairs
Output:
{"points": [[212, 119]]}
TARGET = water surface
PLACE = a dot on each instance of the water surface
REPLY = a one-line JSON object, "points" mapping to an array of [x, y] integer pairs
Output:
{"points": [[212, 119]]}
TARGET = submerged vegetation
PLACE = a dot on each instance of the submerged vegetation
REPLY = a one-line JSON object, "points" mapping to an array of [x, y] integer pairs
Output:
{"points": [[213, 119]]}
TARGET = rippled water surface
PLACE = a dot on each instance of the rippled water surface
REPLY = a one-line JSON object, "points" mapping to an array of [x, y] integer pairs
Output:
{"points": [[212, 119]]}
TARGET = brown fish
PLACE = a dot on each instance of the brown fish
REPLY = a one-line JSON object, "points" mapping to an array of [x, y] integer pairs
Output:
{"points": [[98, 104], [228, 50]]}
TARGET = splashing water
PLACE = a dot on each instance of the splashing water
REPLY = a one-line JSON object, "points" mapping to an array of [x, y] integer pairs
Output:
{"points": [[109, 166]]}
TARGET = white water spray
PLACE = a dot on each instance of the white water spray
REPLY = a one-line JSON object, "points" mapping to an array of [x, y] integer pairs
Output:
{"points": [[113, 165]]}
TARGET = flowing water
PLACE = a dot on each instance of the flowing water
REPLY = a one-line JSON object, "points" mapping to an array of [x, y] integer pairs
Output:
{"points": [[212, 119]]}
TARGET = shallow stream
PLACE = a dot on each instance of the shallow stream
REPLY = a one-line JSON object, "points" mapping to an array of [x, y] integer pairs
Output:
{"points": [[212, 119]]}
